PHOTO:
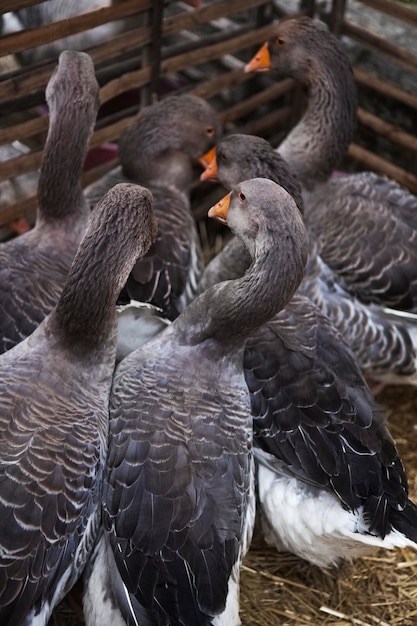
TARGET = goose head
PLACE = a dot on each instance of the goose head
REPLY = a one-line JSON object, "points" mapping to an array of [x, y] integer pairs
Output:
{"points": [[165, 138], [241, 157], [65, 85], [268, 223], [262, 214], [296, 47]]}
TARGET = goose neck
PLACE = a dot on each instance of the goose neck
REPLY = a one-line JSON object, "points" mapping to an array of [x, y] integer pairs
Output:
{"points": [[231, 310], [59, 189], [318, 143]]}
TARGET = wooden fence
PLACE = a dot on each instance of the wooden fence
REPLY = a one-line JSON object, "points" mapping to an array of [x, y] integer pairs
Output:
{"points": [[175, 46]]}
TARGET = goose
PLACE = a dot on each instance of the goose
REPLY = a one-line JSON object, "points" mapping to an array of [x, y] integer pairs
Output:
{"points": [[34, 266], [157, 150], [54, 404], [179, 507], [385, 345], [323, 454]]}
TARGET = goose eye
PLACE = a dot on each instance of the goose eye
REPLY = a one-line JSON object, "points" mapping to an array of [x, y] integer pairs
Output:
{"points": [[279, 41], [222, 157], [241, 196], [209, 131]]}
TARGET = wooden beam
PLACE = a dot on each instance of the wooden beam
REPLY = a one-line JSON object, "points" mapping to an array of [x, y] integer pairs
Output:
{"points": [[273, 120], [126, 82], [209, 88], [215, 51], [395, 9], [336, 16], [110, 133], [20, 165], [24, 130], [207, 13], [32, 37], [376, 163], [380, 45], [151, 53], [247, 106], [388, 131], [33, 79], [364, 79], [14, 5]]}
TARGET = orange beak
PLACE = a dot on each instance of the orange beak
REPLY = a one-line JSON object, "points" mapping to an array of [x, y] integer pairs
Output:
{"points": [[219, 210], [207, 158], [261, 62], [210, 173]]}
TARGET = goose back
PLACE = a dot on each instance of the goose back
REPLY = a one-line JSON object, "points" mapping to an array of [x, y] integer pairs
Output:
{"points": [[322, 444], [371, 248]]}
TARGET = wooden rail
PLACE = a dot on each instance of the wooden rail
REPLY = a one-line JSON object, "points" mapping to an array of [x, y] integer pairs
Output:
{"points": [[205, 48], [32, 37]]}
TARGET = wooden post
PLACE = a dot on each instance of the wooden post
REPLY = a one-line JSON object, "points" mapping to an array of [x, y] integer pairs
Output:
{"points": [[151, 54], [308, 7], [336, 16], [264, 14]]}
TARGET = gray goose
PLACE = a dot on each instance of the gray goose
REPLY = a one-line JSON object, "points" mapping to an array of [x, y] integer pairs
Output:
{"points": [[178, 512], [157, 151], [364, 226], [34, 266], [54, 405], [385, 348], [330, 482]]}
